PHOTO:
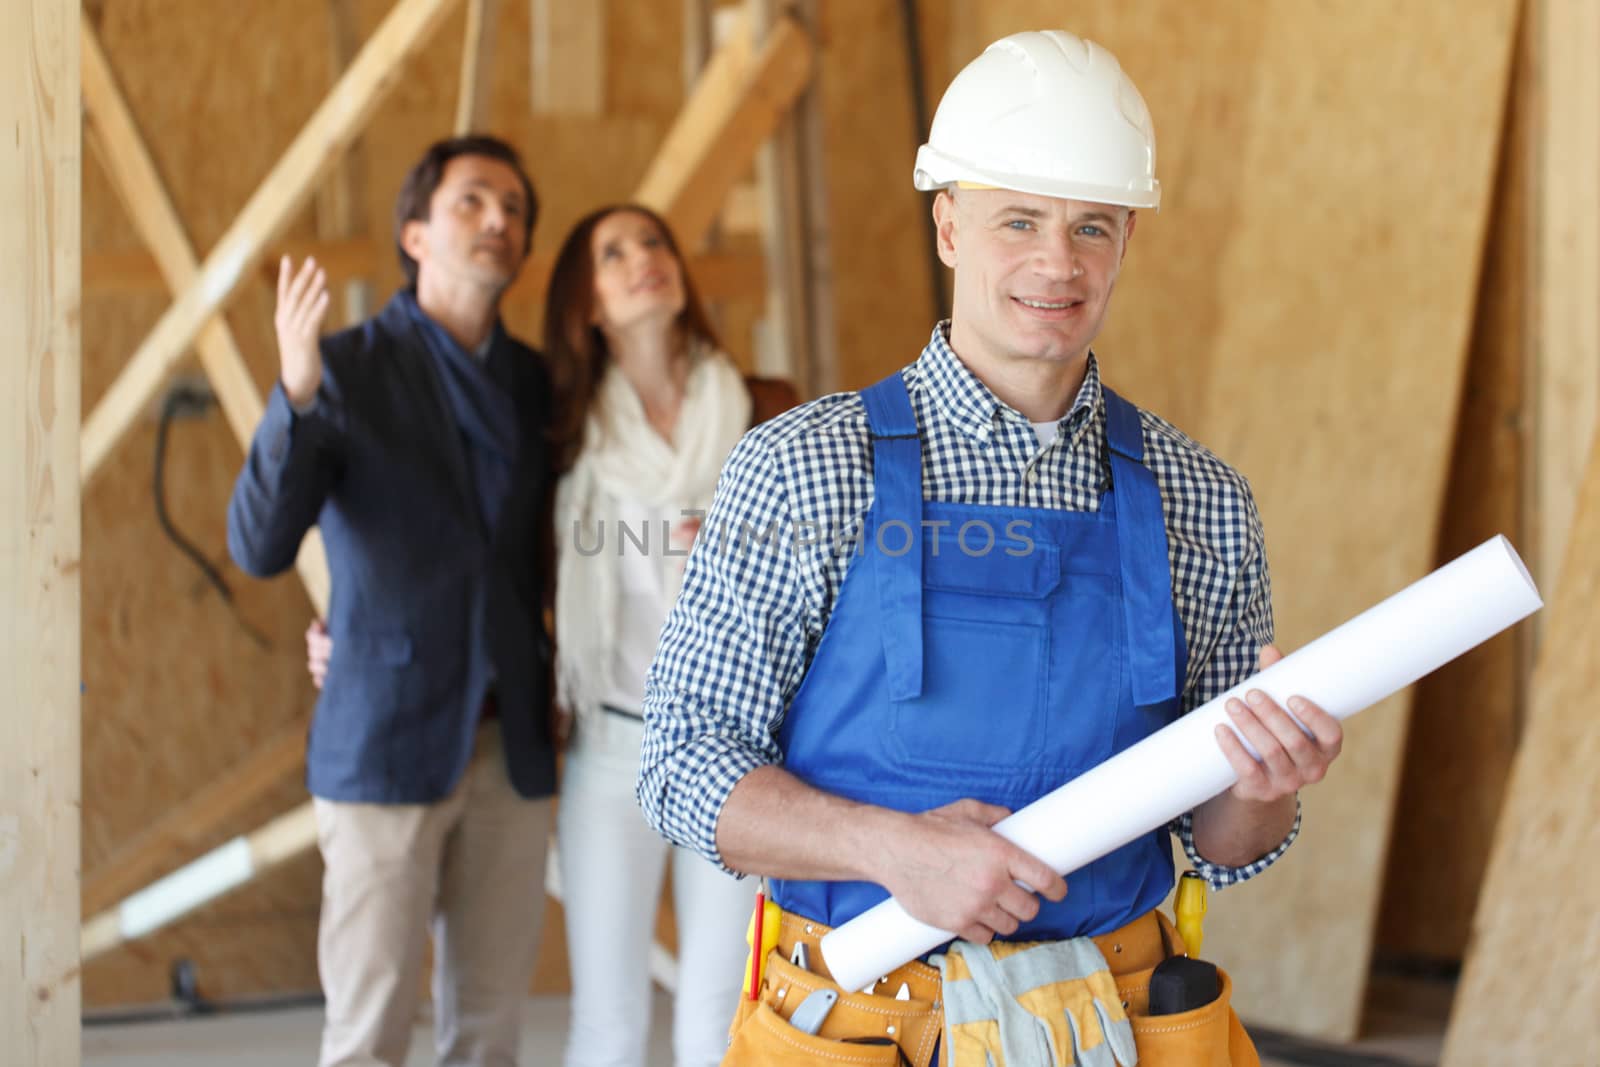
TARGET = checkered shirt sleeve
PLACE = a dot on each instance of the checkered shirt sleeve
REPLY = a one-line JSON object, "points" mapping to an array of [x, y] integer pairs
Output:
{"points": [[755, 600]]}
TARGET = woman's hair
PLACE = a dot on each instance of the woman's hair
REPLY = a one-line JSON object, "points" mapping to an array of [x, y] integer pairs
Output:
{"points": [[574, 347]]}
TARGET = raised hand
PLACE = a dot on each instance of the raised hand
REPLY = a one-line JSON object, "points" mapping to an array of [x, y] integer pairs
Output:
{"points": [[302, 304]]}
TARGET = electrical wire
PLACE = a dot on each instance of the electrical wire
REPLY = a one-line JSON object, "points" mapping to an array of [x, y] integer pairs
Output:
{"points": [[176, 400]]}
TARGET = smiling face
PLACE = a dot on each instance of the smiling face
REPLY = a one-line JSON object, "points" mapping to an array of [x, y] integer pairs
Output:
{"points": [[476, 229], [637, 277], [1033, 274]]}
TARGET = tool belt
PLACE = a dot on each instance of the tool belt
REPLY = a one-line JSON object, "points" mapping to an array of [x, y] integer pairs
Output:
{"points": [[879, 1029]]}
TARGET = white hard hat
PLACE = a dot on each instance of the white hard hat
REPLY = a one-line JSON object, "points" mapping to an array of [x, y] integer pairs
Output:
{"points": [[1044, 112]]}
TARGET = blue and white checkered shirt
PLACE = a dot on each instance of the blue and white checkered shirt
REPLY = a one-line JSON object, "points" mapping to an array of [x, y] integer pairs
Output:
{"points": [[747, 622]]}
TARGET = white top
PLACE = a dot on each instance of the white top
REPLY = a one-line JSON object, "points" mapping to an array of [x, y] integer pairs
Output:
{"points": [[638, 540]]}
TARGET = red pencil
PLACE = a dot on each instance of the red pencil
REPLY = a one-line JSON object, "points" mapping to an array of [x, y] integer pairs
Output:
{"points": [[755, 947]]}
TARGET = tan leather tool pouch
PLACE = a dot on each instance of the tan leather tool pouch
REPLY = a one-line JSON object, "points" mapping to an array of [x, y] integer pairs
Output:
{"points": [[867, 1029], [1207, 1036]]}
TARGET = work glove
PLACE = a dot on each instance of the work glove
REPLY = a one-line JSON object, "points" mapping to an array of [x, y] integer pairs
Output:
{"points": [[1031, 1004]]}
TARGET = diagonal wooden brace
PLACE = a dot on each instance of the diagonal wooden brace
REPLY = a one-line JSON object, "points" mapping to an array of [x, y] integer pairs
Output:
{"points": [[738, 101], [115, 137], [373, 75]]}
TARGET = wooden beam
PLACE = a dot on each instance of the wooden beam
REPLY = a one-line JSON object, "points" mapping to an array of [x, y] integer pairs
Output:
{"points": [[341, 199], [724, 275], [735, 106], [40, 366], [821, 364], [219, 871], [136, 270], [1467, 716], [369, 80], [182, 832], [568, 57], [127, 162], [784, 337], [477, 66], [1566, 268], [1530, 987], [696, 39], [114, 136]]}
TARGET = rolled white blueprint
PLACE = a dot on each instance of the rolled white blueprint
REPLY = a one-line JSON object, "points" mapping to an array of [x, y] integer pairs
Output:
{"points": [[1374, 655]]}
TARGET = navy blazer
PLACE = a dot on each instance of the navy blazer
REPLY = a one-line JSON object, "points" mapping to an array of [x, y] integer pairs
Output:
{"points": [[427, 605]]}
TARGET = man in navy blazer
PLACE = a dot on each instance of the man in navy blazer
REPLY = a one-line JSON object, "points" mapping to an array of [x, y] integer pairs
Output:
{"points": [[415, 441]]}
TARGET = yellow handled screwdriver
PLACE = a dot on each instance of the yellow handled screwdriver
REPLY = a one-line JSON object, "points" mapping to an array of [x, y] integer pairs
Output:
{"points": [[1191, 911]]}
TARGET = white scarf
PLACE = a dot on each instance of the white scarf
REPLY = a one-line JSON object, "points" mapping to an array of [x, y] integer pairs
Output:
{"points": [[624, 458]]}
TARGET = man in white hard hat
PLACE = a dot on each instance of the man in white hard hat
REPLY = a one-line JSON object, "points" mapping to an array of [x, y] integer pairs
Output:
{"points": [[916, 608]]}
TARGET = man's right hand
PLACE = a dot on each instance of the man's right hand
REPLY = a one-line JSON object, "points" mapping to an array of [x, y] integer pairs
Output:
{"points": [[319, 650], [302, 303], [951, 870]]}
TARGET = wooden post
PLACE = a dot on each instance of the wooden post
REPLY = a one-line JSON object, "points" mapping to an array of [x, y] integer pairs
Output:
{"points": [[797, 323], [1466, 718], [1530, 988], [696, 38], [1566, 268], [782, 341], [369, 80], [341, 199], [821, 363], [568, 57], [477, 66], [40, 176]]}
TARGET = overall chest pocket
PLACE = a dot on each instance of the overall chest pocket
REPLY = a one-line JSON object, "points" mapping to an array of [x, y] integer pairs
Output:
{"points": [[986, 653]]}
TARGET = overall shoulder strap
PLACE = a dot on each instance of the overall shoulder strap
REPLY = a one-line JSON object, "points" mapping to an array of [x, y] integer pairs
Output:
{"points": [[1142, 547], [896, 521]]}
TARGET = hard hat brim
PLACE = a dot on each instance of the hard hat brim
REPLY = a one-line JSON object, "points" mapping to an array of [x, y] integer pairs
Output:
{"points": [[938, 171], [934, 170]]}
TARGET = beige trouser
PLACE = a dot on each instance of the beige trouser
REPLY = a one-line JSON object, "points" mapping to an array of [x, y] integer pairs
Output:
{"points": [[472, 867]]}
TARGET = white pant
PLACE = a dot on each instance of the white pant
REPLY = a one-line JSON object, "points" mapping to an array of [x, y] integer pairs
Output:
{"points": [[611, 869], [472, 866]]}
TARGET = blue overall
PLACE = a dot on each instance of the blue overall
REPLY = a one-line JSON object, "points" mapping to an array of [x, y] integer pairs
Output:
{"points": [[994, 653]]}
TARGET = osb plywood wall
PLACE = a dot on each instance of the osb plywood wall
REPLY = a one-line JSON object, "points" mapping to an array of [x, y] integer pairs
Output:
{"points": [[1467, 718], [1530, 987], [1303, 304]]}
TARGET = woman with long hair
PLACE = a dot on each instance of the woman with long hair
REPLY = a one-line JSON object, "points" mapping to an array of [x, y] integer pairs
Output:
{"points": [[649, 409]]}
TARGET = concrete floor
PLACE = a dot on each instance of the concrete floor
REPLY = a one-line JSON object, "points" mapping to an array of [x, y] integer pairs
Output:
{"points": [[1407, 1030], [288, 1038]]}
